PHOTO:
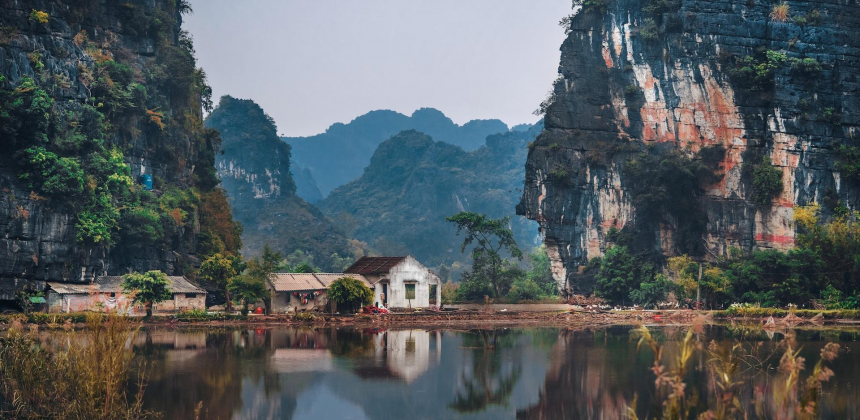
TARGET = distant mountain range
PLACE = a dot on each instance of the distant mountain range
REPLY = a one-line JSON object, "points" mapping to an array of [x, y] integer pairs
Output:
{"points": [[399, 198], [341, 153], [399, 204]]}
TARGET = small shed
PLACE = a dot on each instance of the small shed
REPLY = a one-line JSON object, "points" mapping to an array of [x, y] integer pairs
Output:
{"points": [[106, 293], [303, 291]]}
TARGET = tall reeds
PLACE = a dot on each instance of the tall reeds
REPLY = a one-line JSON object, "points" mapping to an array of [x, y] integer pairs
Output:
{"points": [[73, 375], [730, 368]]}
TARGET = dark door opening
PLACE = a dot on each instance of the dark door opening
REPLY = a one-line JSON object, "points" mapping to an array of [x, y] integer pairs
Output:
{"points": [[385, 295]]}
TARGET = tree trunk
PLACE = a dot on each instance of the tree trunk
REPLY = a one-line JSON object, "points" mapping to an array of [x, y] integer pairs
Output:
{"points": [[228, 307], [267, 302], [148, 306], [495, 280]]}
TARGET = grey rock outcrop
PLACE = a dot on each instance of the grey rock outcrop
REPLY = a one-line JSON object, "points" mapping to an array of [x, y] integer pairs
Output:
{"points": [[630, 79], [38, 236]]}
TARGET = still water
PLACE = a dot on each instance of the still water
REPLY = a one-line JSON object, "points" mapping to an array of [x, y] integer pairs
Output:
{"points": [[546, 373]]}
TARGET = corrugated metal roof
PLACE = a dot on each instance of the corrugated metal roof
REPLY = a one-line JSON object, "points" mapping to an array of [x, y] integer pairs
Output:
{"points": [[297, 282], [374, 265], [113, 284]]}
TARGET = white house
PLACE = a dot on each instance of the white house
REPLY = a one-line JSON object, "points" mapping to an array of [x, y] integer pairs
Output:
{"points": [[398, 282]]}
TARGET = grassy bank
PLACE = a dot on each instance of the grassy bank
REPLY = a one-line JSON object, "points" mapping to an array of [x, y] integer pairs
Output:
{"points": [[777, 313], [40, 318]]}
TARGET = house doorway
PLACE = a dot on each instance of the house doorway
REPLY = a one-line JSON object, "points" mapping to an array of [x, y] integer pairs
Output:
{"points": [[385, 294]]}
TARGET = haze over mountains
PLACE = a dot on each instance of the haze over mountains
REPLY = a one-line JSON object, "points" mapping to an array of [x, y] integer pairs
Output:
{"points": [[399, 205], [400, 196], [341, 153]]}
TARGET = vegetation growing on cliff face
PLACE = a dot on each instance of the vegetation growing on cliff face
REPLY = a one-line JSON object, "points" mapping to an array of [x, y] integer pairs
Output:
{"points": [[766, 182], [848, 162], [756, 73], [666, 187], [75, 154]]}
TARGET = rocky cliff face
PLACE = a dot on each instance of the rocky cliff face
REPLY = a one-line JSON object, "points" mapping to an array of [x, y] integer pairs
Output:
{"points": [[93, 95], [656, 77], [254, 167]]}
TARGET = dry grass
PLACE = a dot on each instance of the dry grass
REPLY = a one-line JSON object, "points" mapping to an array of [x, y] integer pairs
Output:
{"points": [[792, 395], [75, 375], [780, 12]]}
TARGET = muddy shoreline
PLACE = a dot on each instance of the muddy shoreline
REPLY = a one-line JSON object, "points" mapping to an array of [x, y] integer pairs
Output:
{"points": [[477, 319]]}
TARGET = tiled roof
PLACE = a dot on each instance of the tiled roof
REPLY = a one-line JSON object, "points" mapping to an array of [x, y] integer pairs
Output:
{"points": [[297, 282], [110, 284], [374, 265]]}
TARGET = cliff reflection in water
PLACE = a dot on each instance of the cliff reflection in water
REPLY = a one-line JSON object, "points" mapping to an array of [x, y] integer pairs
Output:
{"points": [[543, 373]]}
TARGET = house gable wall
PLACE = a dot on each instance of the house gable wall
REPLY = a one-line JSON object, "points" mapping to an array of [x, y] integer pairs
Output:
{"points": [[408, 271]]}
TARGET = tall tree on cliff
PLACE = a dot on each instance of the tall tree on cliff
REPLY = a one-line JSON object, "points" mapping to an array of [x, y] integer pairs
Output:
{"points": [[491, 237]]}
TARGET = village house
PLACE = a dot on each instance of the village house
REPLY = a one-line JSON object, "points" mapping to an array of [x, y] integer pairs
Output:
{"points": [[105, 293], [398, 282], [293, 292]]}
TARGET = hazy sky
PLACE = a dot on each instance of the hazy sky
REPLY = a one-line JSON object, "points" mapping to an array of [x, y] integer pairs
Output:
{"points": [[310, 63]]}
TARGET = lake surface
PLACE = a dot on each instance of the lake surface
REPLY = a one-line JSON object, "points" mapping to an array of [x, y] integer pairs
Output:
{"points": [[546, 373]]}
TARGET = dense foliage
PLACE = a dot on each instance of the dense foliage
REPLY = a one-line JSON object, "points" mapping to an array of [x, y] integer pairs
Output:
{"points": [[495, 271], [71, 142], [766, 182], [491, 237], [821, 272], [350, 294], [218, 270], [148, 288]]}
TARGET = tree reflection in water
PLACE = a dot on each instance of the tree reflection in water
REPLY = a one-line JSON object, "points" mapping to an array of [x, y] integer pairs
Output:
{"points": [[220, 361], [488, 382]]}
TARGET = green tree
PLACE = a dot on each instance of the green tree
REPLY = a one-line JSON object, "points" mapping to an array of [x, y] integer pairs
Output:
{"points": [[259, 269], [651, 292], [541, 272], [525, 289], [491, 236], [247, 287], [218, 270], [149, 288], [350, 294], [617, 275]]}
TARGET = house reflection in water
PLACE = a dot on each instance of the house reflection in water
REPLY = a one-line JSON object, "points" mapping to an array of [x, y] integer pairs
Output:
{"points": [[406, 353]]}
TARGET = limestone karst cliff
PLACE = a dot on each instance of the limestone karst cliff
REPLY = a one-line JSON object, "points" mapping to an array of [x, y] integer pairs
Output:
{"points": [[94, 95], [768, 100], [254, 166]]}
